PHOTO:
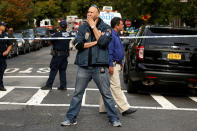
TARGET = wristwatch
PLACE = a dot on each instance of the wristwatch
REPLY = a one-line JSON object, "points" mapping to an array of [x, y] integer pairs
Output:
{"points": [[93, 26]]}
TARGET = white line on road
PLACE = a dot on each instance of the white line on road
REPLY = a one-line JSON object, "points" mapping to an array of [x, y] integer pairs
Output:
{"points": [[55, 88], [84, 99], [93, 106], [163, 102], [193, 98], [38, 97], [25, 76], [3, 93]]}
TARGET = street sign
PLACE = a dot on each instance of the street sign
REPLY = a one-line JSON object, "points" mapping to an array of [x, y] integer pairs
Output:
{"points": [[128, 23]]}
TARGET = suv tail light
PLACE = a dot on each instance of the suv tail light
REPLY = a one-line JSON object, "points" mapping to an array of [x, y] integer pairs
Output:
{"points": [[191, 79], [140, 52]]}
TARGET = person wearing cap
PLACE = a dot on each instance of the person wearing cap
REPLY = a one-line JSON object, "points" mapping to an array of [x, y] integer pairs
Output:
{"points": [[92, 58], [5, 47], [59, 62]]}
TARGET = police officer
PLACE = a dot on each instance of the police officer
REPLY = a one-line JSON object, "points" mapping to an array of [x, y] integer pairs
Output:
{"points": [[59, 62], [5, 47]]}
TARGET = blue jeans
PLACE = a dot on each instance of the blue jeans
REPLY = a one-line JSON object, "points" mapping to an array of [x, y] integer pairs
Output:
{"points": [[84, 76]]}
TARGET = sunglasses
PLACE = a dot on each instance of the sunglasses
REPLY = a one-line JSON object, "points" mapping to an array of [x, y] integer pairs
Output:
{"points": [[95, 7]]}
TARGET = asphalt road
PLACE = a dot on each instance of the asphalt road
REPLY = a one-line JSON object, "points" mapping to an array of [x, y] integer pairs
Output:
{"points": [[24, 107]]}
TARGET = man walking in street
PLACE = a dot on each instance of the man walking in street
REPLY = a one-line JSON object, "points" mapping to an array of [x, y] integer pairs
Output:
{"points": [[5, 47], [116, 55], [93, 60], [59, 62]]}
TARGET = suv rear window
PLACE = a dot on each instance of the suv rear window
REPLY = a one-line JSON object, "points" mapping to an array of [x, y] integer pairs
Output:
{"points": [[171, 32]]}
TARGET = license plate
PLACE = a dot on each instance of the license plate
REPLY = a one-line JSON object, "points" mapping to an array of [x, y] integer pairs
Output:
{"points": [[174, 56]]}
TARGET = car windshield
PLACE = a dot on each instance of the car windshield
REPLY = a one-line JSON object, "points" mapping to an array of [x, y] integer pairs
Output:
{"points": [[29, 33], [17, 35], [41, 30]]}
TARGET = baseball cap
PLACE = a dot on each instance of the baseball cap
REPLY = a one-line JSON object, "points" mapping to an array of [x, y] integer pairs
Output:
{"points": [[3, 23], [63, 23]]}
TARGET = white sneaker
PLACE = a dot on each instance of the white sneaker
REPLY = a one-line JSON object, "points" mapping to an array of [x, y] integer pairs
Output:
{"points": [[116, 124], [68, 123]]}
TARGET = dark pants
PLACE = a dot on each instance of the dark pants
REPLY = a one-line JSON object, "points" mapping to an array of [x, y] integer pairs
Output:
{"points": [[58, 63], [3, 66]]}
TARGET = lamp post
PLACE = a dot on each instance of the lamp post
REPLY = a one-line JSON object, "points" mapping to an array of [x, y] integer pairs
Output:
{"points": [[179, 17], [34, 2]]}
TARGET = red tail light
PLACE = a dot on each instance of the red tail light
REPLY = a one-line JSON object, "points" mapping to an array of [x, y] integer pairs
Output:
{"points": [[191, 79], [140, 52], [151, 77]]}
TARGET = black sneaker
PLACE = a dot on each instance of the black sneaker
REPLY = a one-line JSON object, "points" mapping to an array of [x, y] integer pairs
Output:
{"points": [[102, 112], [46, 88], [62, 88], [129, 111], [2, 88]]}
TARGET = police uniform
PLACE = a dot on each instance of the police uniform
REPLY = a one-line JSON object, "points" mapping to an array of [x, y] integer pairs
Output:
{"points": [[3, 47], [59, 62]]}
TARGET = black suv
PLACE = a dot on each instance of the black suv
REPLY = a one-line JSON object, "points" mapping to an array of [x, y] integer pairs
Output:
{"points": [[156, 61]]}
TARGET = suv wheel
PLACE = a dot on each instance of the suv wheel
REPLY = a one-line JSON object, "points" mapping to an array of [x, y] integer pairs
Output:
{"points": [[193, 91], [133, 86], [24, 50], [29, 48], [17, 51]]}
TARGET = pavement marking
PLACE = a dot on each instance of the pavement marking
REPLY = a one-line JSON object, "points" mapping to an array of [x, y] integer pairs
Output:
{"points": [[29, 87], [28, 71], [163, 102], [3, 93], [96, 106], [193, 98], [25, 76], [38, 97], [84, 98], [54, 88]]}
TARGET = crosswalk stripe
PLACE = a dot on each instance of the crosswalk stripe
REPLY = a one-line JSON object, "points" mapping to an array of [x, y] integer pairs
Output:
{"points": [[38, 97], [26, 77], [163, 102], [193, 98], [3, 93], [93, 106], [84, 98]]}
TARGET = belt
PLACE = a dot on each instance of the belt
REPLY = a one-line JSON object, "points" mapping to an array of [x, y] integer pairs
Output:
{"points": [[58, 53], [117, 62]]}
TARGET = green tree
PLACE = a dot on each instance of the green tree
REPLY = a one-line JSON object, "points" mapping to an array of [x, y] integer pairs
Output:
{"points": [[47, 9], [15, 12]]}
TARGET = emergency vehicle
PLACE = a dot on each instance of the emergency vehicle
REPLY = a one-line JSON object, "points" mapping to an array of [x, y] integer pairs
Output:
{"points": [[107, 14], [46, 23]]}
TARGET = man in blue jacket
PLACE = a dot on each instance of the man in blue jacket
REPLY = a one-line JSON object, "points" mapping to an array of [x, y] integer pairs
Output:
{"points": [[93, 60], [116, 55]]}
